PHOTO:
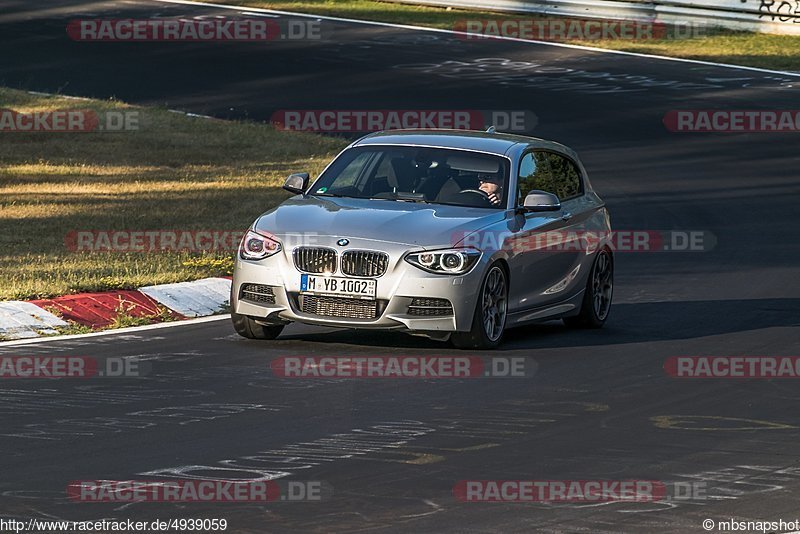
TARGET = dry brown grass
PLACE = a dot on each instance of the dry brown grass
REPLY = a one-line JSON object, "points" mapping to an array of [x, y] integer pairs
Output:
{"points": [[174, 172]]}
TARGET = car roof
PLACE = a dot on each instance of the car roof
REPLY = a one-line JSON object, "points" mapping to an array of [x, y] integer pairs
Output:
{"points": [[493, 143]]}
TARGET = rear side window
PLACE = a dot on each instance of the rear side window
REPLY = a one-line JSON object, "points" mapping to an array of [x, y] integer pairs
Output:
{"points": [[567, 181], [549, 172], [534, 174]]}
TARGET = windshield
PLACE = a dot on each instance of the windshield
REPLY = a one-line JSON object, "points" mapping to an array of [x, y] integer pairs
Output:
{"points": [[417, 174]]}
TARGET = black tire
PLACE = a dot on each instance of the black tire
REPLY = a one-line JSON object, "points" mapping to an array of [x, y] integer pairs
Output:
{"points": [[593, 315], [247, 327], [477, 337]]}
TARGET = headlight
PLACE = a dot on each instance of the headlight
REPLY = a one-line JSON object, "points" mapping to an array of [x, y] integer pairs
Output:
{"points": [[450, 261], [257, 247]]}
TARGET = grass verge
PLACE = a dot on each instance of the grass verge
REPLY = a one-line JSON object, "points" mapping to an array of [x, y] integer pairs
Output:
{"points": [[777, 52], [172, 173], [122, 319]]}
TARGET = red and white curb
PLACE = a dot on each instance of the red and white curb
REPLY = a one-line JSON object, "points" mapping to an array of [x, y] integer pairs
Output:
{"points": [[19, 320], [192, 299], [200, 298]]}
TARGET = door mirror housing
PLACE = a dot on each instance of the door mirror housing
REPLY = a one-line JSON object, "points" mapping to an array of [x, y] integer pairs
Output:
{"points": [[296, 183], [541, 201]]}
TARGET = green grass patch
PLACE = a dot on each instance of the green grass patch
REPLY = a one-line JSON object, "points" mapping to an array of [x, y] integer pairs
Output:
{"points": [[173, 173], [778, 52], [122, 319]]}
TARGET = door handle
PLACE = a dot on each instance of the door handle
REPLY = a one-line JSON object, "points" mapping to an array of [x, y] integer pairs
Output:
{"points": [[567, 216]]}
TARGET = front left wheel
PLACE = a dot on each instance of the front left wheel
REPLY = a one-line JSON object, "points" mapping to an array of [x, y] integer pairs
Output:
{"points": [[489, 321], [247, 327]]}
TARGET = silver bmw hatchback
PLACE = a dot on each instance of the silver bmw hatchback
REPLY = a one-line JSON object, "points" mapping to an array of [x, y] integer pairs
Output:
{"points": [[450, 234]]}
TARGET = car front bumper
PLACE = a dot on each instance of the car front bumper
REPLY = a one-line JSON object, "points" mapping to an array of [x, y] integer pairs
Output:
{"points": [[395, 290]]}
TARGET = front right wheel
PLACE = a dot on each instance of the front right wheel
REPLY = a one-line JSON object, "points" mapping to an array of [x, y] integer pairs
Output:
{"points": [[596, 303], [247, 327], [489, 321]]}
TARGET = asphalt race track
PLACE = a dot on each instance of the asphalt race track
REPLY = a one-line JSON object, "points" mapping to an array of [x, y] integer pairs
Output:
{"points": [[599, 406]]}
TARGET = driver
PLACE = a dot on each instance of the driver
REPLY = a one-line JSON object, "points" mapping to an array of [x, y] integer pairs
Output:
{"points": [[492, 185]]}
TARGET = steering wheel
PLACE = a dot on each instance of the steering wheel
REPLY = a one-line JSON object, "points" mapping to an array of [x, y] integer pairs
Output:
{"points": [[478, 195]]}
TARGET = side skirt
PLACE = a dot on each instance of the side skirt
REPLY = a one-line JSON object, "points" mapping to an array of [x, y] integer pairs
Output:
{"points": [[556, 310]]}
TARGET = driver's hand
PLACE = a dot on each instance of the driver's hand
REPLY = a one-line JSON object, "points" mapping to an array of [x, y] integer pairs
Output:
{"points": [[493, 198]]}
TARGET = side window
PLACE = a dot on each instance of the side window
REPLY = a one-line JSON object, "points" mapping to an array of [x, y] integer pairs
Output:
{"points": [[534, 173], [566, 177]]}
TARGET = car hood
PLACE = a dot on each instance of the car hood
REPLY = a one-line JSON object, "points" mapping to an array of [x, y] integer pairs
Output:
{"points": [[407, 223]]}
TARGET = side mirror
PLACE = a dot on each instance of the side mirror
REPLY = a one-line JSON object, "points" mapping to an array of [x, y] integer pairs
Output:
{"points": [[541, 201], [296, 183]]}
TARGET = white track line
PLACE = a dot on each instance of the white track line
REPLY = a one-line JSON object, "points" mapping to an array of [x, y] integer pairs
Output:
{"points": [[178, 111], [453, 32], [39, 93], [113, 332]]}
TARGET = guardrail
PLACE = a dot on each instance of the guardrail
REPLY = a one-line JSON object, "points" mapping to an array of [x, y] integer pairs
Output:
{"points": [[767, 16]]}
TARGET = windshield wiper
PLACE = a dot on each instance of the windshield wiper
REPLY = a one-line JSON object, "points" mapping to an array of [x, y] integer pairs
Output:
{"points": [[400, 197]]}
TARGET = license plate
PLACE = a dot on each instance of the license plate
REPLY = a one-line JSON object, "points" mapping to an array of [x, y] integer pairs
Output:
{"points": [[337, 286]]}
